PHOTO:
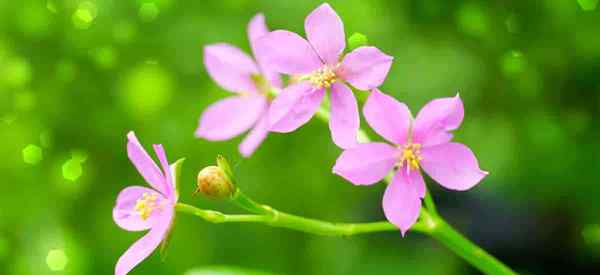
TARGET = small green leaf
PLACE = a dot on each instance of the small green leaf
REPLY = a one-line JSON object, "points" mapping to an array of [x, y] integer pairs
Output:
{"points": [[224, 165], [357, 40], [176, 173]]}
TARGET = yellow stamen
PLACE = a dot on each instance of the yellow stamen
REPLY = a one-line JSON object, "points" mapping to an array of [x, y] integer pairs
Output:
{"points": [[411, 155], [145, 205], [323, 77]]}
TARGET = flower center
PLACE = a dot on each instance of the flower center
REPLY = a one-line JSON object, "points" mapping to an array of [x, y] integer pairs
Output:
{"points": [[145, 205], [323, 77], [263, 87], [411, 156]]}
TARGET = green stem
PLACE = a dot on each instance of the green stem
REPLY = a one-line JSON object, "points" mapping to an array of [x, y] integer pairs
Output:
{"points": [[217, 217], [466, 249], [277, 218], [429, 204]]}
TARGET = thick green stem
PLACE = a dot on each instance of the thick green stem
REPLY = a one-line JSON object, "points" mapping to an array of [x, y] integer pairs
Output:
{"points": [[466, 249], [277, 218]]}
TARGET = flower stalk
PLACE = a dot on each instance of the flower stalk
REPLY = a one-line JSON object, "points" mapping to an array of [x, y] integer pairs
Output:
{"points": [[276, 218], [429, 223]]}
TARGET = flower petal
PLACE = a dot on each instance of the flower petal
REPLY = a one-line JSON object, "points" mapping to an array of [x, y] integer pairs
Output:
{"points": [[365, 68], [255, 137], [287, 52], [344, 121], [230, 67], [144, 164], [452, 165], [388, 117], [162, 157], [436, 119], [325, 32], [124, 213], [294, 107], [257, 28], [401, 202], [366, 163], [230, 117], [143, 247], [416, 179]]}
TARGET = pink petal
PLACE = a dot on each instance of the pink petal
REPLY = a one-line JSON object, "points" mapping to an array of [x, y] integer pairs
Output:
{"points": [[436, 119], [366, 163], [388, 117], [287, 52], [453, 165], [255, 137], [325, 32], [231, 68], [344, 121], [257, 28], [230, 117], [142, 248], [144, 164], [416, 178], [162, 157], [124, 213], [294, 107], [366, 67], [401, 202]]}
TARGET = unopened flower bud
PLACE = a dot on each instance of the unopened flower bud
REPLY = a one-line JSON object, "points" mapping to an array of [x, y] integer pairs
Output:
{"points": [[214, 183]]}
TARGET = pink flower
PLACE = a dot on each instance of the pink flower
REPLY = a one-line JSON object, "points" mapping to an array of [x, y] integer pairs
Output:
{"points": [[423, 142], [140, 208], [317, 62], [237, 72]]}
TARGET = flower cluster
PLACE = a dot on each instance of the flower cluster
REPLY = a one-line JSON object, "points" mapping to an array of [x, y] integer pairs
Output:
{"points": [[315, 67]]}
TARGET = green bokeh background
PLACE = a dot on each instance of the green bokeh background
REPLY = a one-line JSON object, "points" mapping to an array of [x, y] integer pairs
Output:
{"points": [[76, 76]]}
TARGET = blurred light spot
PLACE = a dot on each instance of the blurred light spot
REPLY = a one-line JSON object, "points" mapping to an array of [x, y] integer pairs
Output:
{"points": [[105, 57], [57, 260], [146, 90], [512, 24], [24, 101], [591, 234], [513, 63], [148, 11], [72, 169], [34, 19], [66, 71], [588, 5], [84, 15], [32, 154], [16, 72], [79, 155], [51, 6], [472, 19], [46, 139], [124, 32]]}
